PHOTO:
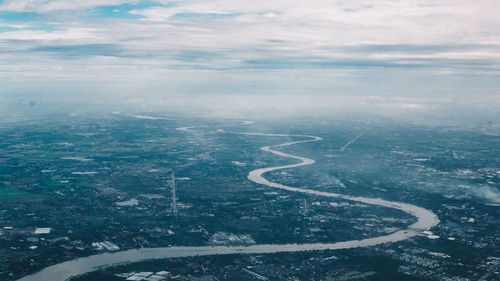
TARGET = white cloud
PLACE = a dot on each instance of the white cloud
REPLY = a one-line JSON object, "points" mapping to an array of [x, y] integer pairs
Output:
{"points": [[73, 35], [293, 27], [333, 40]]}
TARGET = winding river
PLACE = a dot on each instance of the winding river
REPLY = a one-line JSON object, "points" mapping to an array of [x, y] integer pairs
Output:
{"points": [[425, 220]]}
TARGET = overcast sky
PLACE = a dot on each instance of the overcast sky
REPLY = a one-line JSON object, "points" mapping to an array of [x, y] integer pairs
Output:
{"points": [[407, 50]]}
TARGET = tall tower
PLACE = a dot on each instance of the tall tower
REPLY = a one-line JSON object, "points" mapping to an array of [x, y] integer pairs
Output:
{"points": [[174, 197]]}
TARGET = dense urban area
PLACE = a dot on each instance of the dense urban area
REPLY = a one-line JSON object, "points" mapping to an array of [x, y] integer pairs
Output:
{"points": [[78, 186]]}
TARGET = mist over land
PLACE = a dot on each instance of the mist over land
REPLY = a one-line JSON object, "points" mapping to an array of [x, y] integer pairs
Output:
{"points": [[478, 111]]}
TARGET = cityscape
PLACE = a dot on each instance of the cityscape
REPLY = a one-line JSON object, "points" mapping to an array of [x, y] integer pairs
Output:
{"points": [[83, 187]]}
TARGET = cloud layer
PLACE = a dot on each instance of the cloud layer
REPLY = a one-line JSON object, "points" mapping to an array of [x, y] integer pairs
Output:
{"points": [[418, 47]]}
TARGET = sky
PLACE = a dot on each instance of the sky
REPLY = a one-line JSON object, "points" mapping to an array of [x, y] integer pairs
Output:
{"points": [[401, 55]]}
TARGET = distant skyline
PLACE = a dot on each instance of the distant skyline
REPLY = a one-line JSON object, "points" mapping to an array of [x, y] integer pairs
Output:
{"points": [[402, 49]]}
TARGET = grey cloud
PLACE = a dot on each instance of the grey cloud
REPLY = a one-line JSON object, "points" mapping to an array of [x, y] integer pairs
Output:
{"points": [[112, 50]]}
